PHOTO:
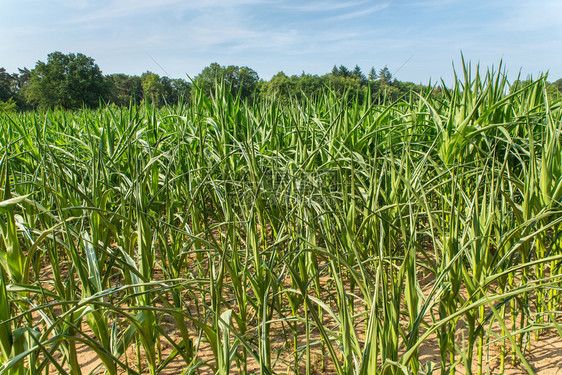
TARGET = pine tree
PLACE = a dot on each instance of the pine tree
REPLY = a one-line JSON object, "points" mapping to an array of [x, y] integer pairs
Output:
{"points": [[385, 76], [373, 74], [357, 73]]}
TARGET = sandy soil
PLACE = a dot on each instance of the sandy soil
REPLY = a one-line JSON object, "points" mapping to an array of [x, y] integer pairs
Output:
{"points": [[544, 355]]}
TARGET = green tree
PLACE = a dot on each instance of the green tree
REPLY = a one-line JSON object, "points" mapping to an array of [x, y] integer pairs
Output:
{"points": [[23, 77], [5, 85], [385, 76], [373, 76], [553, 91], [69, 81], [558, 85], [348, 88], [181, 90], [341, 71], [357, 73], [21, 81], [12, 88], [153, 88], [124, 89], [344, 72], [240, 80], [308, 84], [174, 89], [244, 80], [279, 86]]}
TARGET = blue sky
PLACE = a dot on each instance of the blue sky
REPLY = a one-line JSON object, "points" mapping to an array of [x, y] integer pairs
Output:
{"points": [[417, 40]]}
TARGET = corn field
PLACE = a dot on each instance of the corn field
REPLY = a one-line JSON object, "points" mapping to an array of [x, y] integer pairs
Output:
{"points": [[314, 236]]}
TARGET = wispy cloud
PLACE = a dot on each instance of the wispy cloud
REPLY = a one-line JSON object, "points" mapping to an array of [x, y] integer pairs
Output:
{"points": [[322, 6], [133, 8], [121, 8], [360, 12], [432, 4], [288, 35], [74, 4], [236, 37], [532, 16]]}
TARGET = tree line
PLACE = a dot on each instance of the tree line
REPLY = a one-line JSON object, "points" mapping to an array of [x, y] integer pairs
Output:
{"points": [[73, 81]]}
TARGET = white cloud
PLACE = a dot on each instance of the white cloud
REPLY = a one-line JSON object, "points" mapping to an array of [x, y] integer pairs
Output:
{"points": [[121, 8], [532, 16], [290, 35], [360, 12], [131, 8], [431, 3], [322, 6]]}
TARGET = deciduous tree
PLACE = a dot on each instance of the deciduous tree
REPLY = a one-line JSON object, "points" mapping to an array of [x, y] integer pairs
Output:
{"points": [[153, 88], [124, 89], [66, 80], [5, 85], [240, 80]]}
